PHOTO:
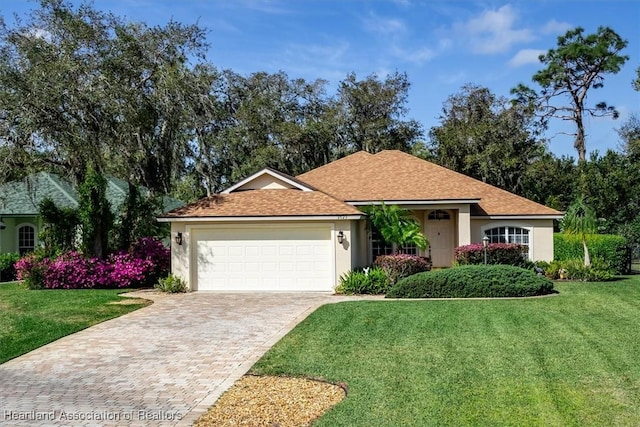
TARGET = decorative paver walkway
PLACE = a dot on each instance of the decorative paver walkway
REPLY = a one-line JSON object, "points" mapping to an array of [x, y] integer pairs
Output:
{"points": [[162, 365]]}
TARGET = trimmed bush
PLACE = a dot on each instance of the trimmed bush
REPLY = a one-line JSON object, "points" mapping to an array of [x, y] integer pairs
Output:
{"points": [[171, 284], [497, 253], [611, 249], [371, 281], [473, 281], [7, 266], [399, 266]]}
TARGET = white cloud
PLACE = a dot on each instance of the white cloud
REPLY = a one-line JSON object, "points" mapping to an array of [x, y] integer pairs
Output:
{"points": [[493, 31], [417, 56], [556, 27], [452, 78], [384, 26], [526, 56]]}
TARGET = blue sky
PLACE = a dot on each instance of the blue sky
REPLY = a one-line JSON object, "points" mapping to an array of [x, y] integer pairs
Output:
{"points": [[441, 44]]}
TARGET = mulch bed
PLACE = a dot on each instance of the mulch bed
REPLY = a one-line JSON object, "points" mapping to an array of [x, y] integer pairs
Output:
{"points": [[273, 402]]}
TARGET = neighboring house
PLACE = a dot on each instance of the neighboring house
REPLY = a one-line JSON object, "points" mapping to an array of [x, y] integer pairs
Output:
{"points": [[19, 201], [274, 232]]}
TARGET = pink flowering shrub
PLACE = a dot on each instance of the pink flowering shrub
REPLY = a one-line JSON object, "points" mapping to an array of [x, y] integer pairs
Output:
{"points": [[71, 270], [497, 253], [142, 265], [399, 266]]}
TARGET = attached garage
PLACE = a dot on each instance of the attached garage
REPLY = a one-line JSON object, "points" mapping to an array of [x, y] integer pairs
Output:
{"points": [[263, 258], [267, 233]]}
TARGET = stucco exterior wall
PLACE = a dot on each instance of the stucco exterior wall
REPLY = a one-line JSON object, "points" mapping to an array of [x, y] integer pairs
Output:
{"points": [[180, 254], [540, 234], [9, 236]]}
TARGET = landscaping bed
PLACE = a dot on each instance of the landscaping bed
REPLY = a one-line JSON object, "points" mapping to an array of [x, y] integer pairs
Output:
{"points": [[272, 401]]}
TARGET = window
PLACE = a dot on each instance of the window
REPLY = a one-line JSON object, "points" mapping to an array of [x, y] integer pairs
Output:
{"points": [[515, 235], [380, 247], [26, 239], [439, 215]]}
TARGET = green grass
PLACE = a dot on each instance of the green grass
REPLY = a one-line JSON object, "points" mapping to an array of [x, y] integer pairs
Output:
{"points": [[567, 360], [30, 319]]}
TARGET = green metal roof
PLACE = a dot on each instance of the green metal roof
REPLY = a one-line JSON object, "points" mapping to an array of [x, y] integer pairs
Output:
{"points": [[20, 198]]}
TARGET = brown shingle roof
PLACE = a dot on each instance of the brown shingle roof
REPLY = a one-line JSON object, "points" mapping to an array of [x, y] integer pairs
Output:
{"points": [[252, 203], [393, 176]]}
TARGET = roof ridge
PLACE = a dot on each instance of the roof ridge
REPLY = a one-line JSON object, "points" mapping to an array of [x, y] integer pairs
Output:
{"points": [[55, 180]]}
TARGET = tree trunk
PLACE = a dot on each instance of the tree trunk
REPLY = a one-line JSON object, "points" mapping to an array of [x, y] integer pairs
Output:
{"points": [[579, 143], [587, 258]]}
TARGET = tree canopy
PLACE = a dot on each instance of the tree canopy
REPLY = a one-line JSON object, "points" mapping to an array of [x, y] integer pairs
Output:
{"points": [[578, 65], [483, 136]]}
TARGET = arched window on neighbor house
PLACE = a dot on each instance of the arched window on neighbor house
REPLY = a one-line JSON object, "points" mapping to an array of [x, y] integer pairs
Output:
{"points": [[26, 238]]}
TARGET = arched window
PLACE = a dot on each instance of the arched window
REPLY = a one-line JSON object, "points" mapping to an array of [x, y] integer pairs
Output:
{"points": [[438, 215], [26, 238], [516, 235]]}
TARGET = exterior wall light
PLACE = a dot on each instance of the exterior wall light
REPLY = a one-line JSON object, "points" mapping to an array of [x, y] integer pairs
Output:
{"points": [[178, 238], [340, 237]]}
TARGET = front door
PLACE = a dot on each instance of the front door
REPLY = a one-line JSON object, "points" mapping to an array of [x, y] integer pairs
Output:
{"points": [[440, 235]]}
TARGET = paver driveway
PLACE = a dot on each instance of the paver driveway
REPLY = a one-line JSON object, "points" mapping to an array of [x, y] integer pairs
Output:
{"points": [[161, 365]]}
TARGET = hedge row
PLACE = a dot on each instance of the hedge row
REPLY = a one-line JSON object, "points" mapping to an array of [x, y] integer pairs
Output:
{"points": [[473, 281], [497, 253], [612, 250]]}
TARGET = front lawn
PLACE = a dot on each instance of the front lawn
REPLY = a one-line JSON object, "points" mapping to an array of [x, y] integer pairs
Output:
{"points": [[30, 319], [570, 359]]}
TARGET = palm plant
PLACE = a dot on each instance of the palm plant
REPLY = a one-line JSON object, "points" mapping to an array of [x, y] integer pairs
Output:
{"points": [[398, 226], [580, 220]]}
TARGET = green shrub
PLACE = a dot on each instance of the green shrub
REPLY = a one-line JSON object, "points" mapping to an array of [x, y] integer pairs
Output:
{"points": [[473, 281], [399, 266], [611, 249], [574, 269], [171, 284], [370, 281], [497, 253], [7, 266]]}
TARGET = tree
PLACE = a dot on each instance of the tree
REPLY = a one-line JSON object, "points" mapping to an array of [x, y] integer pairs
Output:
{"points": [[80, 87], [59, 227], [636, 82], [580, 220], [372, 111], [551, 180], [576, 66], [397, 226], [483, 136], [629, 133], [94, 213]]}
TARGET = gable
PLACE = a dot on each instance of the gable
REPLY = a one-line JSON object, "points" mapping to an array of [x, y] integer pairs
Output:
{"points": [[265, 182], [268, 179]]}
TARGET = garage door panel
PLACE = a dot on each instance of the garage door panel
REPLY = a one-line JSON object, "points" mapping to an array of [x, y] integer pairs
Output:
{"points": [[276, 259]]}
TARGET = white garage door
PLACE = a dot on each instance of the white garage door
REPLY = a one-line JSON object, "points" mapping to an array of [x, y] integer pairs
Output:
{"points": [[263, 259]]}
